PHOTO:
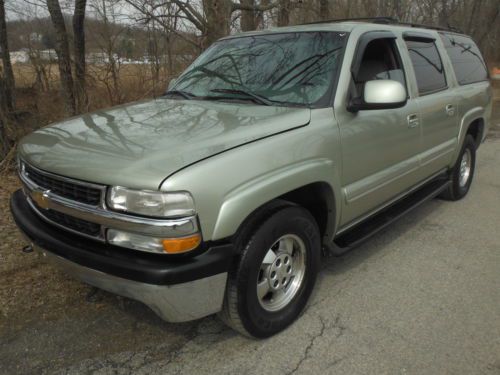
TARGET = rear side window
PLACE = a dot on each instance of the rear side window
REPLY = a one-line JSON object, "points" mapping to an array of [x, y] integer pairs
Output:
{"points": [[427, 65], [466, 59]]}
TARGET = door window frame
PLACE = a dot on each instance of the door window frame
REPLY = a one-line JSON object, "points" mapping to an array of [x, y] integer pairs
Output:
{"points": [[413, 36], [363, 41]]}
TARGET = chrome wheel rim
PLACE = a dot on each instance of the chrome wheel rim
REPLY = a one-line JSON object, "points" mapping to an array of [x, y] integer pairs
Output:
{"points": [[465, 168], [281, 273]]}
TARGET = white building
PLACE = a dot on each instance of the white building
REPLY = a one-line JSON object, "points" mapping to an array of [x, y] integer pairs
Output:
{"points": [[19, 57]]}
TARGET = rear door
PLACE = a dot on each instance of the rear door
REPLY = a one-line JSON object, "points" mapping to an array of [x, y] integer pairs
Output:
{"points": [[471, 75], [437, 103]]}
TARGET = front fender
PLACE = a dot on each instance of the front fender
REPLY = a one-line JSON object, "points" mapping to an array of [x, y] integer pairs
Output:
{"points": [[244, 199]]}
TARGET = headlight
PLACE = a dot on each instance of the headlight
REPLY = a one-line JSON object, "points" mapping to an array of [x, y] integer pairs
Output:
{"points": [[151, 203]]}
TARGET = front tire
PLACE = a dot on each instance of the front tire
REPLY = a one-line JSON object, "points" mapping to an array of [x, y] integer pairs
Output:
{"points": [[275, 273], [463, 171]]}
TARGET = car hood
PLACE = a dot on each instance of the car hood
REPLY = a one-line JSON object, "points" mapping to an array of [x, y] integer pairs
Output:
{"points": [[138, 145]]}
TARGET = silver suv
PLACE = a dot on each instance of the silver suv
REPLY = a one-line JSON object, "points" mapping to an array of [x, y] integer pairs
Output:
{"points": [[219, 196]]}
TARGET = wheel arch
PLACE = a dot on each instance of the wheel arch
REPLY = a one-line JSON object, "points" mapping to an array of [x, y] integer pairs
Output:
{"points": [[476, 129], [319, 199], [472, 122]]}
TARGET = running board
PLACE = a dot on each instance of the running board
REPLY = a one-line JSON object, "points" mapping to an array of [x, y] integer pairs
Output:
{"points": [[361, 232]]}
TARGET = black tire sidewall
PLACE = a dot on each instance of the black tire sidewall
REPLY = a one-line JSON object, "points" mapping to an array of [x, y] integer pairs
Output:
{"points": [[256, 320], [460, 191]]}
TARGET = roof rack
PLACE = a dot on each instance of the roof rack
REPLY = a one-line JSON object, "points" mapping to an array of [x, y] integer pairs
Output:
{"points": [[388, 21], [439, 28], [383, 20]]}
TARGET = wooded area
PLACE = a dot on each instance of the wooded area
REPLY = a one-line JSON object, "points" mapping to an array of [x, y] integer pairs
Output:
{"points": [[107, 52]]}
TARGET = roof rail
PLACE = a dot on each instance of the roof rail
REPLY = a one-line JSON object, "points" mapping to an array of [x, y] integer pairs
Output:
{"points": [[384, 20], [388, 21], [439, 28]]}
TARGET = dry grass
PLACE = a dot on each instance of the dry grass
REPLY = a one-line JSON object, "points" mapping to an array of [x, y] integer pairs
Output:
{"points": [[133, 82]]}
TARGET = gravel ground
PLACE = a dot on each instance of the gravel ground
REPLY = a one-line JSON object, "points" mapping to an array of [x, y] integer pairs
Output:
{"points": [[421, 297]]}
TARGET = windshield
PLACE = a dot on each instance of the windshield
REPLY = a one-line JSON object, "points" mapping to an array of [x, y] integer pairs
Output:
{"points": [[291, 68]]}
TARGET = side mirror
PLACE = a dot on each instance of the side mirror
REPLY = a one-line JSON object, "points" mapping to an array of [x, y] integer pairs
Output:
{"points": [[380, 94], [171, 83]]}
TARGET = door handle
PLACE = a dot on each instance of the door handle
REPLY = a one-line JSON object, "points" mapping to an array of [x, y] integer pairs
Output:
{"points": [[450, 110], [412, 121]]}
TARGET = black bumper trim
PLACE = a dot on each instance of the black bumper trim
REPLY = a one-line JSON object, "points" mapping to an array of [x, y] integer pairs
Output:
{"points": [[117, 261]]}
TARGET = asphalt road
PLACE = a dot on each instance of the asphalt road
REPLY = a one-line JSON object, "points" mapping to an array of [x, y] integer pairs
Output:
{"points": [[421, 297]]}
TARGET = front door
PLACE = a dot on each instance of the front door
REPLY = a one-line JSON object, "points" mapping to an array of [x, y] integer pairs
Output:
{"points": [[379, 147]]}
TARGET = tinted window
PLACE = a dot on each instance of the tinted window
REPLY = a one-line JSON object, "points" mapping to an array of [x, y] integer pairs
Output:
{"points": [[466, 59], [427, 65]]}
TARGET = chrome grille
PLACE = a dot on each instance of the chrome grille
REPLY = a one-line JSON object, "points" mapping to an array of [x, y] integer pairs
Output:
{"points": [[70, 190], [42, 187], [79, 225]]}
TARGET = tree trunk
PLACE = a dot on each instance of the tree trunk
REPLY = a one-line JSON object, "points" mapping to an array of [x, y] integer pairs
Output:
{"points": [[259, 17], [218, 19], [4, 142], [248, 17], [63, 56], [79, 54], [284, 12], [324, 10], [8, 80]]}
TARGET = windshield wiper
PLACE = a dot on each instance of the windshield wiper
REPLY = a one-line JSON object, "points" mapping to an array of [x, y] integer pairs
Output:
{"points": [[184, 94], [255, 97]]}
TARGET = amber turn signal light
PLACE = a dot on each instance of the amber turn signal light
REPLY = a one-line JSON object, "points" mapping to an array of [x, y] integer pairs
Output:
{"points": [[181, 245]]}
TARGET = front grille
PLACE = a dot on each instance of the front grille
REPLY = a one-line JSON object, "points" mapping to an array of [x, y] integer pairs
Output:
{"points": [[79, 225], [74, 191]]}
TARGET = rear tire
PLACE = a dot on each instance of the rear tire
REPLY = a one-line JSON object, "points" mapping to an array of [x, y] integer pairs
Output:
{"points": [[274, 275], [463, 172]]}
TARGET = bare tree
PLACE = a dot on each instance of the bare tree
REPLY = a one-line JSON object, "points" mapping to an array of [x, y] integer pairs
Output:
{"points": [[79, 54], [8, 74], [284, 12], [260, 19], [213, 19], [63, 56], [248, 17], [218, 19], [107, 37], [324, 10]]}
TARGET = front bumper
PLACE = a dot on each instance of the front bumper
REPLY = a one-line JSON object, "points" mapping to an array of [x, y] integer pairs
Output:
{"points": [[177, 289]]}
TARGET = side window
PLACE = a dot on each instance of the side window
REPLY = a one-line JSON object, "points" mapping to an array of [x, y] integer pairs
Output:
{"points": [[427, 65], [380, 60], [466, 59]]}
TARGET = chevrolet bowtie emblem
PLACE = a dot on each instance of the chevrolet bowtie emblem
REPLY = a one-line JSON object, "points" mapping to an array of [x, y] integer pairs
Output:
{"points": [[41, 198]]}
